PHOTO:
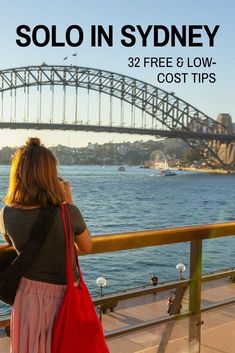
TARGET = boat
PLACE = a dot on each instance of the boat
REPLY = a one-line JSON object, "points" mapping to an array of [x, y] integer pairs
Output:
{"points": [[122, 169], [166, 171]]}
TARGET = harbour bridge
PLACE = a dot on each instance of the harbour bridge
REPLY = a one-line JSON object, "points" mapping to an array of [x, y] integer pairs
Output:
{"points": [[78, 98]]}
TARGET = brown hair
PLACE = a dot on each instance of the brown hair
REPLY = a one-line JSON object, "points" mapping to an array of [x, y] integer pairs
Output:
{"points": [[33, 177]]}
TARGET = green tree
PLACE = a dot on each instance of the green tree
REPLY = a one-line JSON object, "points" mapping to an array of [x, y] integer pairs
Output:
{"points": [[190, 155]]}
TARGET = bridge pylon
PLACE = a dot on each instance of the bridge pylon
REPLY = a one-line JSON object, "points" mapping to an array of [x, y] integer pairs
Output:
{"points": [[225, 150]]}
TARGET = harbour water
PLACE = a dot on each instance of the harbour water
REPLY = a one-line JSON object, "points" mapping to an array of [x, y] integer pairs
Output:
{"points": [[137, 199]]}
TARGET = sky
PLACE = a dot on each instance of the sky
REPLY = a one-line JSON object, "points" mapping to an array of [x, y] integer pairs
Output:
{"points": [[211, 98]]}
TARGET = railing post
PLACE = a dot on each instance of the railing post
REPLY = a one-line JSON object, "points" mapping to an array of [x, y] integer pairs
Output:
{"points": [[195, 296]]}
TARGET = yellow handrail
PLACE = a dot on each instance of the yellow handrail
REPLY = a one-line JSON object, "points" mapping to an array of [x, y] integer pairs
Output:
{"points": [[140, 239]]}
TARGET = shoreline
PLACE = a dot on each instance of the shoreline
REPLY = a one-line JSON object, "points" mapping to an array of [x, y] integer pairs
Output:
{"points": [[211, 171]]}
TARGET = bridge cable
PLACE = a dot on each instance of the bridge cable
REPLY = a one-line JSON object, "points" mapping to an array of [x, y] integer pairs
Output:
{"points": [[76, 101]]}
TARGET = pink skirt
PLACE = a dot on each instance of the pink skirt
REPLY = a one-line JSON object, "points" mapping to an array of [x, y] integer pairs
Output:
{"points": [[33, 316]]}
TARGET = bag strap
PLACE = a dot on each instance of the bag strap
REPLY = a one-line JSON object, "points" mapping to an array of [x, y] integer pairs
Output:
{"points": [[66, 220], [37, 236]]}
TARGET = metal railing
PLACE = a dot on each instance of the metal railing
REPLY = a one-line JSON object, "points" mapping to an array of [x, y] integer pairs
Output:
{"points": [[193, 234]]}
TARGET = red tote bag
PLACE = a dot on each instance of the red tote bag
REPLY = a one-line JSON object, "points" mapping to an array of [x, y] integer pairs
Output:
{"points": [[77, 327]]}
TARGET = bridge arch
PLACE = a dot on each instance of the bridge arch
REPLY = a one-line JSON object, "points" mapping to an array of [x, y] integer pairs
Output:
{"points": [[170, 115]]}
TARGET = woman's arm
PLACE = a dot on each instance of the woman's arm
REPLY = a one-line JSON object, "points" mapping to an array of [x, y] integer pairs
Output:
{"points": [[84, 242], [5, 246], [3, 228]]}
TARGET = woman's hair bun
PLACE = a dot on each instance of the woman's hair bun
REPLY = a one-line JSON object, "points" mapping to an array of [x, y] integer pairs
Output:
{"points": [[33, 141]]}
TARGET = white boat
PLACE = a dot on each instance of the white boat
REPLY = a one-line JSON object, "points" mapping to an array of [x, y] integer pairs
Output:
{"points": [[166, 171]]}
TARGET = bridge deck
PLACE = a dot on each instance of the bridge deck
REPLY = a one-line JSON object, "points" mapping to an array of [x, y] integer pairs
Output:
{"points": [[177, 133], [217, 330]]}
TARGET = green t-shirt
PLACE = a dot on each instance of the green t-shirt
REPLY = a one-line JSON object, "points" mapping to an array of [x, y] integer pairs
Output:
{"points": [[49, 264]]}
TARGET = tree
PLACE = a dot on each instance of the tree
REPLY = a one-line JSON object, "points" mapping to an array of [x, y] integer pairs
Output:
{"points": [[190, 155]]}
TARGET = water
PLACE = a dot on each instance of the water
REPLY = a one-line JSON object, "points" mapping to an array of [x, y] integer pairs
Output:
{"points": [[138, 199]]}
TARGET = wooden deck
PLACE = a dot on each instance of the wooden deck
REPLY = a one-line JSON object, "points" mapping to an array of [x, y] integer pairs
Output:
{"points": [[217, 331]]}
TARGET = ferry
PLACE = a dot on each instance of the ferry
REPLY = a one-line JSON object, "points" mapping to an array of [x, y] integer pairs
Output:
{"points": [[166, 171]]}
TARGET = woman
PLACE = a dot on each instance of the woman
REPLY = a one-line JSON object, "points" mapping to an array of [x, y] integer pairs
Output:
{"points": [[33, 185]]}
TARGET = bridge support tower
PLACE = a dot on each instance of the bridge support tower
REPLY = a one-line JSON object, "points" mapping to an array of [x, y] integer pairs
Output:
{"points": [[226, 151]]}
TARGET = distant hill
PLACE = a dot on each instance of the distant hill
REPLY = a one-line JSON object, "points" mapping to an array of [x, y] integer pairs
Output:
{"points": [[135, 153]]}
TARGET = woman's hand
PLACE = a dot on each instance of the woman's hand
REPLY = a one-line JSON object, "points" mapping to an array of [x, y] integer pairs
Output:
{"points": [[68, 192], [66, 186]]}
